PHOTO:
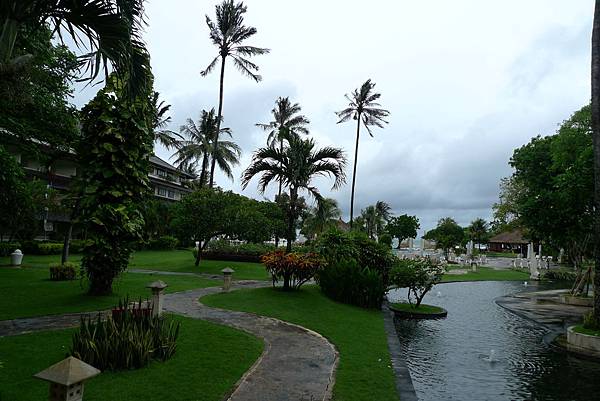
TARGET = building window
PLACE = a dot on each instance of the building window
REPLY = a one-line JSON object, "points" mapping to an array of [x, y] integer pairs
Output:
{"points": [[162, 191], [161, 173], [171, 194]]}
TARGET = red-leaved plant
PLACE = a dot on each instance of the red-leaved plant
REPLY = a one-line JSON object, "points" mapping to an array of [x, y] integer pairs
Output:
{"points": [[293, 268]]}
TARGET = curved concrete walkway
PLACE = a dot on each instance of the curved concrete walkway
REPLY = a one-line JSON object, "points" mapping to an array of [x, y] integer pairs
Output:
{"points": [[296, 365]]}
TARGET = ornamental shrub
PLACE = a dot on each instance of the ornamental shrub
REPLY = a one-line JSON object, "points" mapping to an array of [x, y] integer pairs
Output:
{"points": [[63, 272], [293, 268], [6, 248], [164, 243], [385, 239], [345, 281], [128, 339], [49, 248], [418, 275]]}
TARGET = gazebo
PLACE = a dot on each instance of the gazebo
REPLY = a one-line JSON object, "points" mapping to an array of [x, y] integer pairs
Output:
{"points": [[508, 241]]}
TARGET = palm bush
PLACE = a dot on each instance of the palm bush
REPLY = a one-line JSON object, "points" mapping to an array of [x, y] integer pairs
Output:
{"points": [[128, 339]]}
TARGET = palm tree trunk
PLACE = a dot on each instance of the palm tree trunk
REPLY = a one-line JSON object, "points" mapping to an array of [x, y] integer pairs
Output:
{"points": [[354, 171], [291, 219], [219, 118], [279, 191], [8, 37], [204, 169], [596, 145]]}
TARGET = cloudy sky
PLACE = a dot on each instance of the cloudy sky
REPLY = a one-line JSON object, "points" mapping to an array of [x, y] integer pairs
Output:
{"points": [[465, 81]]}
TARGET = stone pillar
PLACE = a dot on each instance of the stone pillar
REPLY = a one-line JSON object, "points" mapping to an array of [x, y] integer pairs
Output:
{"points": [[534, 274], [227, 278], [158, 296]]}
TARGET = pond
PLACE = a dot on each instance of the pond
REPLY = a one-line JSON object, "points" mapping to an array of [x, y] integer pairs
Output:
{"points": [[448, 359]]}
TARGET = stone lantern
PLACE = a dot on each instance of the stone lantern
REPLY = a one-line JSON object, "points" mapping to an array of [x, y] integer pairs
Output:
{"points": [[66, 379], [16, 258], [227, 275], [158, 288]]}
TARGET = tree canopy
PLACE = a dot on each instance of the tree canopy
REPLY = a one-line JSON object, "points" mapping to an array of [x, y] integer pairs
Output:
{"points": [[403, 227], [446, 235]]}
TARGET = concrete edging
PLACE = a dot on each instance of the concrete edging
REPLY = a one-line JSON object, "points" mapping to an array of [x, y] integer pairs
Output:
{"points": [[583, 343]]}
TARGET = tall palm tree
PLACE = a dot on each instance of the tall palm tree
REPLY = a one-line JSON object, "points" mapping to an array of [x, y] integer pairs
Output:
{"points": [[160, 121], [296, 165], [108, 30], [286, 118], [363, 109], [227, 34], [203, 146], [478, 231], [596, 145], [384, 212], [369, 218]]}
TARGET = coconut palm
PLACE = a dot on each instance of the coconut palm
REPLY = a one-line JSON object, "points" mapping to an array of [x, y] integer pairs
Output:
{"points": [[596, 145], [202, 145], [325, 214], [286, 118], [384, 212], [162, 135], [228, 33], [478, 231], [109, 32], [296, 165], [363, 109]]}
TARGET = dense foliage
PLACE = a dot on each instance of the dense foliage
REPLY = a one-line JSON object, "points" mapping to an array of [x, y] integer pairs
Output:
{"points": [[128, 339], [62, 272], [117, 143], [207, 213], [446, 235], [357, 268], [418, 275], [294, 269], [164, 243], [403, 227]]}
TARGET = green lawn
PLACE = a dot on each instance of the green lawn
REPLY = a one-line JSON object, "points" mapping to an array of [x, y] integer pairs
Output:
{"points": [[28, 292], [364, 371], [209, 360], [176, 261], [589, 332], [488, 274]]}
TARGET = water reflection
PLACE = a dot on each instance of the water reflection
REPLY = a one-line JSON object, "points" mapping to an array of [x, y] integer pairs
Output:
{"points": [[449, 358]]}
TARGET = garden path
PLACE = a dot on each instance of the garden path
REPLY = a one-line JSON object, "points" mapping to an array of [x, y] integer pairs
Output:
{"points": [[297, 364]]}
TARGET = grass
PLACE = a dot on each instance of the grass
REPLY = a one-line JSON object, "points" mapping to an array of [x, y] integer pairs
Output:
{"points": [[364, 371], [423, 308], [180, 260], [487, 274], [501, 254], [589, 332], [209, 360], [28, 292]]}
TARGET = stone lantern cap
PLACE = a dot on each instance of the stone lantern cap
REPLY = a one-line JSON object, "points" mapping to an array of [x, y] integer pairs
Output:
{"points": [[68, 371], [18, 252], [157, 285], [227, 271]]}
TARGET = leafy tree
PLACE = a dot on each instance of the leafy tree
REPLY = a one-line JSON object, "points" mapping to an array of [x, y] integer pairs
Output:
{"points": [[321, 217], [363, 109], [228, 34], [478, 231], [109, 32], [34, 100], [296, 166], [446, 235], [201, 142], [403, 227], [418, 275], [117, 143], [158, 215], [506, 213]]}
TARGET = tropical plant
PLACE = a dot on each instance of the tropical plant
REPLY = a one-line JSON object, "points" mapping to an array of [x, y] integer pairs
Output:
{"points": [[164, 136], [321, 217], [364, 110], [403, 227], [596, 147], [109, 32], [296, 166], [374, 219], [478, 231], [418, 275], [116, 146], [293, 268], [201, 144], [128, 339], [228, 33]]}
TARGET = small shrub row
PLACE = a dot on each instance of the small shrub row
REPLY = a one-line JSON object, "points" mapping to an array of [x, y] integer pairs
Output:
{"points": [[561, 275], [129, 339], [164, 243], [6, 248], [41, 248], [63, 272], [294, 269]]}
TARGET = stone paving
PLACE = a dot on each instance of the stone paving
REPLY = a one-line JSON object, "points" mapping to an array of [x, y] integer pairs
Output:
{"points": [[16, 327], [544, 308], [296, 364]]}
